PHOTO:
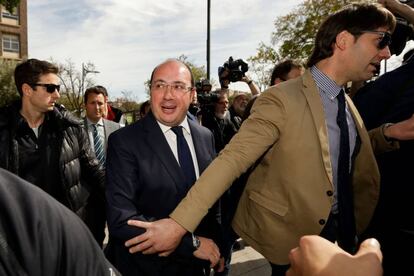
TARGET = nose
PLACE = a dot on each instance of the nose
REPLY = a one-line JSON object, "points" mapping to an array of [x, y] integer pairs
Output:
{"points": [[385, 53]]}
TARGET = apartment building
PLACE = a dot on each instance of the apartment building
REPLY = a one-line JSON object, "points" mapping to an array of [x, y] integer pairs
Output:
{"points": [[13, 32]]}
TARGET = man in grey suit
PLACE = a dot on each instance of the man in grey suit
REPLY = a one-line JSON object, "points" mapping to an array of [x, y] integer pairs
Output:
{"points": [[98, 130], [97, 127]]}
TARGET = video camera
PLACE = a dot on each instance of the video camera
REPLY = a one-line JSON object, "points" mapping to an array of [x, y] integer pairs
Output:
{"points": [[232, 71], [204, 95], [403, 31]]}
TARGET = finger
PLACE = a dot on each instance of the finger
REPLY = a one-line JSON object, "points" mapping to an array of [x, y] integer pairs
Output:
{"points": [[140, 247], [220, 266], [293, 256], [138, 223], [138, 239], [370, 246], [165, 253]]}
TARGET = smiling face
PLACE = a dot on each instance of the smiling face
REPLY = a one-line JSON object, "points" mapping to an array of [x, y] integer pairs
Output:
{"points": [[168, 104]]}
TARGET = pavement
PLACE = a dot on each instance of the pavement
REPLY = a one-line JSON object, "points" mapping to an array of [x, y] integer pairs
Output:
{"points": [[248, 262]]}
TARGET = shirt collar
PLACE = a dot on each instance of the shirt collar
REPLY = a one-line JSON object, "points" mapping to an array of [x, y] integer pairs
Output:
{"points": [[184, 124], [324, 83], [90, 123]]}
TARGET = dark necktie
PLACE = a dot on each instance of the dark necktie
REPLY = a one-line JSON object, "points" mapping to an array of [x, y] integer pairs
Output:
{"points": [[346, 219], [98, 145], [184, 156]]}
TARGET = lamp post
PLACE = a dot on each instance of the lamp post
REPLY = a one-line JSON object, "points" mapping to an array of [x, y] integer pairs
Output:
{"points": [[85, 71], [208, 38]]}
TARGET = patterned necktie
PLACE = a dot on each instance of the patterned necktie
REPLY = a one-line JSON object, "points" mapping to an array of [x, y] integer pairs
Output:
{"points": [[346, 219], [98, 145], [184, 156]]}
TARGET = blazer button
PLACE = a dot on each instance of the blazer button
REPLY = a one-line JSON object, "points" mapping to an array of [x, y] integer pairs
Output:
{"points": [[329, 193], [321, 221]]}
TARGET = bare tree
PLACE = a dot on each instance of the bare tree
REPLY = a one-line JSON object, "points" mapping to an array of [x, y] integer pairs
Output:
{"points": [[74, 83]]}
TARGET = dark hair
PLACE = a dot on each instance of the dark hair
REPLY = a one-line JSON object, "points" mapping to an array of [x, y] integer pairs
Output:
{"points": [[95, 90], [354, 18], [177, 60], [282, 69], [143, 108], [29, 72]]}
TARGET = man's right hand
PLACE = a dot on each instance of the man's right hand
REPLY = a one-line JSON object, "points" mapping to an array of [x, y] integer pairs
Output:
{"points": [[208, 251], [161, 236]]}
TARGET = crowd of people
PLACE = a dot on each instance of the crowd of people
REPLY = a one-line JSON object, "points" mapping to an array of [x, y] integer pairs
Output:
{"points": [[315, 181]]}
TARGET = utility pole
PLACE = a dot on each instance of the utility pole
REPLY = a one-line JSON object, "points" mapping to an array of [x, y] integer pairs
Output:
{"points": [[208, 38], [85, 71]]}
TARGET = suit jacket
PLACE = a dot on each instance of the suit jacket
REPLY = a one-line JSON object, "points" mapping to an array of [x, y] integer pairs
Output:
{"points": [[390, 99], [289, 192], [145, 182], [109, 127]]}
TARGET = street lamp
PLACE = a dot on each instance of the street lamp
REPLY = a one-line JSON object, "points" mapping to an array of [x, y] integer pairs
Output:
{"points": [[85, 71]]}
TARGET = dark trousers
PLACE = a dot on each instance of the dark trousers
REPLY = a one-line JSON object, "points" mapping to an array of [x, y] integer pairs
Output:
{"points": [[279, 270]]}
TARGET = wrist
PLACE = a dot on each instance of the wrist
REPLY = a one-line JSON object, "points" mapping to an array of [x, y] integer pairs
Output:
{"points": [[386, 132], [196, 242]]}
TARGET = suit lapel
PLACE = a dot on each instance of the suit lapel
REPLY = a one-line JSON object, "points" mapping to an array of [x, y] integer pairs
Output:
{"points": [[159, 145], [313, 98], [200, 147]]}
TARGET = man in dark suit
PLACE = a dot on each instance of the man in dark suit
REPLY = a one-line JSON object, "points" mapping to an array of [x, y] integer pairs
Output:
{"points": [[390, 98], [147, 176], [98, 130]]}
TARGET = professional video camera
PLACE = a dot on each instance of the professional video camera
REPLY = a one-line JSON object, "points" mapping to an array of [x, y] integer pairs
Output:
{"points": [[232, 71], [403, 31], [204, 95]]}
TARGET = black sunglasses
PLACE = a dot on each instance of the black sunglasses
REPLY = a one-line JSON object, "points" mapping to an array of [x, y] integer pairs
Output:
{"points": [[50, 87], [385, 38]]}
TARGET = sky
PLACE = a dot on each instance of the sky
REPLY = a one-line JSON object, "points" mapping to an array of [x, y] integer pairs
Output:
{"points": [[126, 39]]}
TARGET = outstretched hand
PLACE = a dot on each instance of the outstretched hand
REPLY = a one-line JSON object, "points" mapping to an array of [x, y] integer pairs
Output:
{"points": [[319, 257], [161, 236]]}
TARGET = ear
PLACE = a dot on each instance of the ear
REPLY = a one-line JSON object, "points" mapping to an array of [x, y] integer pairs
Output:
{"points": [[341, 39], [27, 89], [277, 81]]}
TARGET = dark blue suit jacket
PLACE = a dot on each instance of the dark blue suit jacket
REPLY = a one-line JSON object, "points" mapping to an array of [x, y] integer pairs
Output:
{"points": [[390, 99], [144, 182]]}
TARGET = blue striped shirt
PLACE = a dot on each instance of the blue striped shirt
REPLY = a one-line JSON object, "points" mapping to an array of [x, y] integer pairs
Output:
{"points": [[328, 91]]}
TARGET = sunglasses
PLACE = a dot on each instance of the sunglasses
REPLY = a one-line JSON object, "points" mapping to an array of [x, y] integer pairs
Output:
{"points": [[50, 87], [385, 38]]}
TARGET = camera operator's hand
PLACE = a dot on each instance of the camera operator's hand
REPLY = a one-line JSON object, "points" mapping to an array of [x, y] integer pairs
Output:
{"points": [[402, 9], [253, 87]]}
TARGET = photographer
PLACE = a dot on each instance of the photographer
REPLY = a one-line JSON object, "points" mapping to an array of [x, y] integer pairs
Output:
{"points": [[235, 71]]}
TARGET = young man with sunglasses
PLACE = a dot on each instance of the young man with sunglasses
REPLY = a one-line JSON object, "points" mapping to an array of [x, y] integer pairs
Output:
{"points": [[48, 147], [314, 167]]}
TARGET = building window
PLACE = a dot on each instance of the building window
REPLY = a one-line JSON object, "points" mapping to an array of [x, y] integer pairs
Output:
{"points": [[11, 43], [12, 15]]}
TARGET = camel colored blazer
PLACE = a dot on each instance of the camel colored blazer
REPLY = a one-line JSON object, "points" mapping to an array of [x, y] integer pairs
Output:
{"points": [[290, 191]]}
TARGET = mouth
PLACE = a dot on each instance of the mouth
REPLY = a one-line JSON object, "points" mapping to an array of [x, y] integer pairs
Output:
{"points": [[168, 108], [376, 66]]}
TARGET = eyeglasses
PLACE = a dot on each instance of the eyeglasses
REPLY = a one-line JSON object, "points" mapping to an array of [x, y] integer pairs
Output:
{"points": [[385, 38], [50, 87], [176, 88]]}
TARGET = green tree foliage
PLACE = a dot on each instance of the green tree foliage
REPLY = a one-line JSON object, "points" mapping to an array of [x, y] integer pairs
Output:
{"points": [[293, 36], [8, 91], [10, 4]]}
